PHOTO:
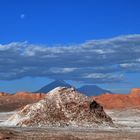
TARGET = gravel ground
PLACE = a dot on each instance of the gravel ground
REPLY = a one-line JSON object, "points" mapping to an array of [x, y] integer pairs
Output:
{"points": [[127, 128], [63, 134]]}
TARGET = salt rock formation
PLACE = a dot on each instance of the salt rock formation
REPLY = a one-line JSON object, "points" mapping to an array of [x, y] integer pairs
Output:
{"points": [[61, 107]]}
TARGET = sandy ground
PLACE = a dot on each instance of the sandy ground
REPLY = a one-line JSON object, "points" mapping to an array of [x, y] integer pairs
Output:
{"points": [[127, 119], [63, 134], [127, 128], [5, 115]]}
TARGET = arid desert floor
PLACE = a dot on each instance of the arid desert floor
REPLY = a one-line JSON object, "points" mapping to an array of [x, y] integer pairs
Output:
{"points": [[127, 128], [65, 134]]}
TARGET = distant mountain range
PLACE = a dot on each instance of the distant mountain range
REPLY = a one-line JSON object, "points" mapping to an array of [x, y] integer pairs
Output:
{"points": [[52, 85], [89, 90], [10, 102], [92, 90]]}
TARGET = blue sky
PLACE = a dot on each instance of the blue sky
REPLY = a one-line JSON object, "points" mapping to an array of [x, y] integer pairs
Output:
{"points": [[52, 28]]}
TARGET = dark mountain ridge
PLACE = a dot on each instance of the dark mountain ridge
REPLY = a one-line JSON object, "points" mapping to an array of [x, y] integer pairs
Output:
{"points": [[52, 85], [92, 90]]}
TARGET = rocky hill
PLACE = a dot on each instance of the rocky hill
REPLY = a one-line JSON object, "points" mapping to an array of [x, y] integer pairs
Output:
{"points": [[120, 101], [3, 94], [29, 95], [10, 102], [61, 107], [135, 92]]}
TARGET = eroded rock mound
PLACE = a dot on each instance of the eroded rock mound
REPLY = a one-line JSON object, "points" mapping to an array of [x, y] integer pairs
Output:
{"points": [[3, 94], [135, 92], [61, 107], [29, 95], [11, 102], [120, 101]]}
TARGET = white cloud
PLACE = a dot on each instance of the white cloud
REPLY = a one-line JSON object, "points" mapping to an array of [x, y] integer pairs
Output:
{"points": [[131, 67], [62, 70], [98, 61], [95, 75]]}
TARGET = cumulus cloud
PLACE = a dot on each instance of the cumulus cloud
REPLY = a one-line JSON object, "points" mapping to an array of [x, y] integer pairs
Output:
{"points": [[94, 61]]}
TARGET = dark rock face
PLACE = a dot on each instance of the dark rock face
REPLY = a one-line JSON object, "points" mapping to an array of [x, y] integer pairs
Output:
{"points": [[62, 107], [95, 105]]}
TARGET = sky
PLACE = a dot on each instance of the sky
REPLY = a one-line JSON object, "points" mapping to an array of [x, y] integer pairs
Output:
{"points": [[80, 41]]}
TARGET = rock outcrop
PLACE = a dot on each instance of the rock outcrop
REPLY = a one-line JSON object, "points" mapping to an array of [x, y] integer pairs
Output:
{"points": [[11, 102], [61, 107], [3, 94], [135, 92], [120, 101], [29, 95]]}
